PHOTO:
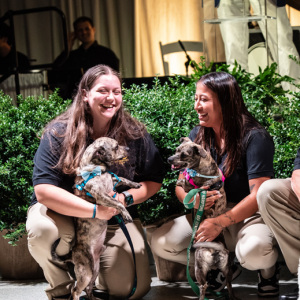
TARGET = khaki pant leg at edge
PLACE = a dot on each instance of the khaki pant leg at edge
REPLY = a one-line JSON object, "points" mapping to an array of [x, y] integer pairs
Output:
{"points": [[117, 266], [44, 227], [280, 209]]}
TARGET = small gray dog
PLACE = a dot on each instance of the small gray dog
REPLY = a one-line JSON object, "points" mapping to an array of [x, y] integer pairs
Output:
{"points": [[199, 165], [91, 232]]}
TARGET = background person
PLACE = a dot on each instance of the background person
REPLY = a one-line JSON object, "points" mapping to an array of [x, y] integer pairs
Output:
{"points": [[67, 74], [280, 34], [244, 152], [7, 59], [279, 204], [97, 111]]}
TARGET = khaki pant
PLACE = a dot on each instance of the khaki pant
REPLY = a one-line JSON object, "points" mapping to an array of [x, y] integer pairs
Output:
{"points": [[116, 276], [280, 209], [251, 240]]}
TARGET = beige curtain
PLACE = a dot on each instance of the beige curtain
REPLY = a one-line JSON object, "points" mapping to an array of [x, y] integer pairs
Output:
{"points": [[169, 21]]}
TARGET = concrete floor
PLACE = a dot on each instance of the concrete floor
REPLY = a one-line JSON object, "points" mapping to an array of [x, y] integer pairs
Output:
{"points": [[245, 287]]}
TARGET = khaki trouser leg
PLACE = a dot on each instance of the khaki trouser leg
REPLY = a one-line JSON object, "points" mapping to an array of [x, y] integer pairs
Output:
{"points": [[280, 209], [117, 266], [44, 227]]}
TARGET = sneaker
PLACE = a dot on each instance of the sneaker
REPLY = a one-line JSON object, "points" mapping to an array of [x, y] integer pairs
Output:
{"points": [[217, 281], [291, 296], [268, 287]]}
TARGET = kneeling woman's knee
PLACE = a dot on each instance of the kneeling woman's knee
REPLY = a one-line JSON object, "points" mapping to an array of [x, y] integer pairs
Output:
{"points": [[41, 237], [256, 253]]}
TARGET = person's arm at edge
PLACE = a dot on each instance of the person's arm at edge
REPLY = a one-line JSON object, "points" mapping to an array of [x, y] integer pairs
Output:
{"points": [[296, 183]]}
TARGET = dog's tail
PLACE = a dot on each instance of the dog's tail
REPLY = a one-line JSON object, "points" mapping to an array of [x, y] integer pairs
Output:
{"points": [[60, 261], [212, 245]]}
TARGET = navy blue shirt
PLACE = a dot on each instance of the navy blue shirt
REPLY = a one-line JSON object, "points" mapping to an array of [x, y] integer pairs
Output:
{"points": [[256, 161]]}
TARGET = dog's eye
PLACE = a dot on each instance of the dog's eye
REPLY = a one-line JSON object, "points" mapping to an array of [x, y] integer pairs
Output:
{"points": [[184, 155], [117, 147]]}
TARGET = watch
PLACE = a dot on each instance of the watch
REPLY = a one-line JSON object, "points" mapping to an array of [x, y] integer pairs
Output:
{"points": [[128, 198]]}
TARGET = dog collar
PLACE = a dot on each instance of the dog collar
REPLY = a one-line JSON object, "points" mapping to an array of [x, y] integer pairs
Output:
{"points": [[86, 175], [190, 173]]}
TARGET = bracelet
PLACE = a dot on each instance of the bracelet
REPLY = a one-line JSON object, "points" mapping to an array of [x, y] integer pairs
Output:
{"points": [[94, 212]]}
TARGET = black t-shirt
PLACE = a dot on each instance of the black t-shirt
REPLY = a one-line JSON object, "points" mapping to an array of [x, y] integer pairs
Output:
{"points": [[67, 75], [7, 63], [257, 161], [297, 161], [144, 164]]}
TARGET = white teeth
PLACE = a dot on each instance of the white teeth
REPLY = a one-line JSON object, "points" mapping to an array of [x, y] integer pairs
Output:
{"points": [[107, 106]]}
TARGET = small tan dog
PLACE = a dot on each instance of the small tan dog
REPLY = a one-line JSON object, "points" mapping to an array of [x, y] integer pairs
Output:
{"points": [[199, 166], [91, 232]]}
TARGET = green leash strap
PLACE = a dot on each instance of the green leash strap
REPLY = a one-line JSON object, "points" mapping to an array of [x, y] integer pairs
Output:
{"points": [[200, 210], [190, 205]]}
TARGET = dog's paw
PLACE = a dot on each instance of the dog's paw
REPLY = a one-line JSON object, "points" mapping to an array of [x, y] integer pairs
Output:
{"points": [[136, 185], [127, 217]]}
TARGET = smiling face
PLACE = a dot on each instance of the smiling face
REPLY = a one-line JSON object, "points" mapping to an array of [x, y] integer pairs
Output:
{"points": [[85, 32], [104, 99], [208, 107]]}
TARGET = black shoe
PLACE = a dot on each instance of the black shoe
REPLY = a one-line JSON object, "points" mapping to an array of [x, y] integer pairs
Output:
{"points": [[98, 294], [268, 287], [290, 296], [101, 294], [217, 281]]}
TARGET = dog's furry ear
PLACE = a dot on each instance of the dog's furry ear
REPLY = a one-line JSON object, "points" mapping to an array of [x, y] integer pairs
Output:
{"points": [[199, 150], [184, 140]]}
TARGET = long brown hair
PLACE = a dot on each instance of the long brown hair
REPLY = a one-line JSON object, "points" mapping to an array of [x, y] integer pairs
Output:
{"points": [[237, 120], [78, 123]]}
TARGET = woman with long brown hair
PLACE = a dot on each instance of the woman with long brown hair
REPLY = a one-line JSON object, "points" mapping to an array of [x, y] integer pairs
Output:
{"points": [[244, 153], [97, 111]]}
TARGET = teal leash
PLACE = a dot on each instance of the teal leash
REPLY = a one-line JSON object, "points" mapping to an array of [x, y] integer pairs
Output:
{"points": [[121, 223], [88, 176]]}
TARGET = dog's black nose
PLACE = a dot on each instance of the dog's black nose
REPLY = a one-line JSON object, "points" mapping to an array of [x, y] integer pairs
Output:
{"points": [[170, 160]]}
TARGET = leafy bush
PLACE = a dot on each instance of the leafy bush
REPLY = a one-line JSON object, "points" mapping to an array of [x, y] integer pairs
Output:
{"points": [[19, 128], [167, 111]]}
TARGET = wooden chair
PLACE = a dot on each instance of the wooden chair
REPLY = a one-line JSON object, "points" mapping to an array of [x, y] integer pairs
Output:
{"points": [[179, 46]]}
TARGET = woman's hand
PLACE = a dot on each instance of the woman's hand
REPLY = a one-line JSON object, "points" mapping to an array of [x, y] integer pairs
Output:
{"points": [[211, 198], [208, 230], [105, 213], [120, 197]]}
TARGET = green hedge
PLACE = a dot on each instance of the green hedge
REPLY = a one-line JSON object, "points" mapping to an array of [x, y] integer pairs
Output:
{"points": [[19, 130], [167, 110]]}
